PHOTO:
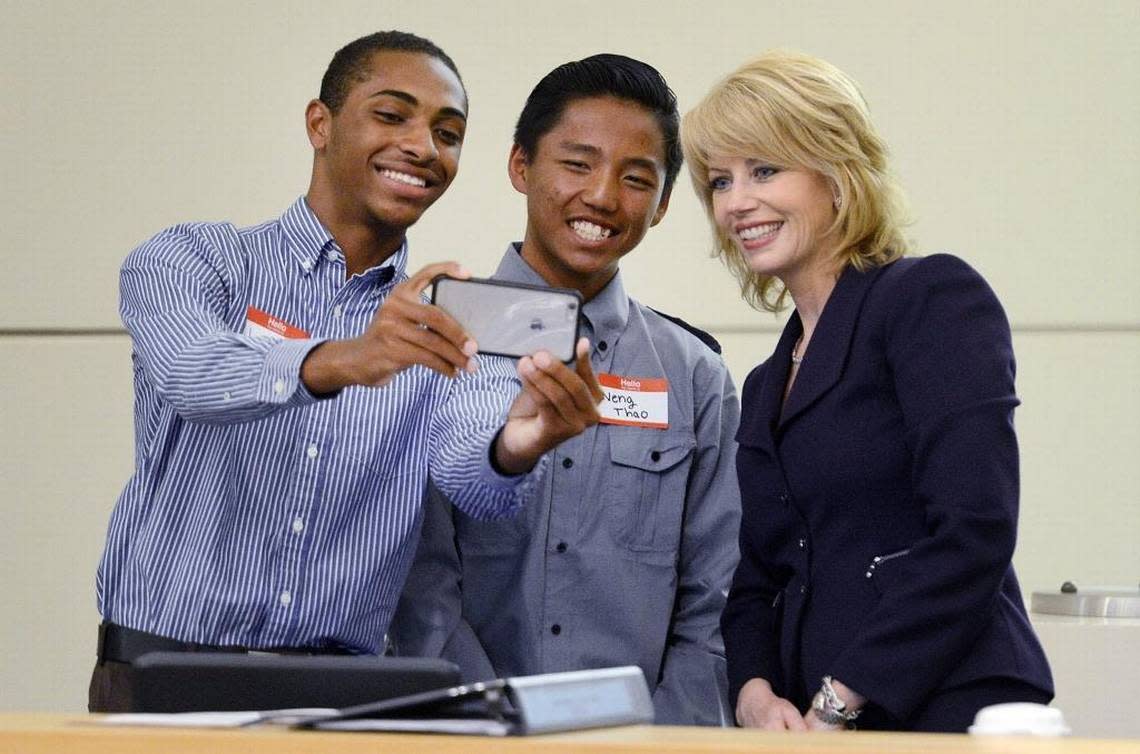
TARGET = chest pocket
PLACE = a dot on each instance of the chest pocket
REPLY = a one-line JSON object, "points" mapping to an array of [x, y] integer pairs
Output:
{"points": [[400, 408], [650, 476]]}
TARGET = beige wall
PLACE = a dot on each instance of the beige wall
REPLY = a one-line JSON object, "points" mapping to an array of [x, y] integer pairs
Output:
{"points": [[1013, 126]]}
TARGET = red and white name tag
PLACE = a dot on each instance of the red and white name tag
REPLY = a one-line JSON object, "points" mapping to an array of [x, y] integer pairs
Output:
{"points": [[259, 324], [634, 401]]}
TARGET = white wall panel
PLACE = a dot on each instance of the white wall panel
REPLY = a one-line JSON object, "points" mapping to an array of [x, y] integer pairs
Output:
{"points": [[65, 453], [1013, 126]]}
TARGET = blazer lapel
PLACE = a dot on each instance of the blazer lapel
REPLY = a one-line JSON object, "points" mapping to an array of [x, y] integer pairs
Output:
{"points": [[826, 355], [758, 427]]}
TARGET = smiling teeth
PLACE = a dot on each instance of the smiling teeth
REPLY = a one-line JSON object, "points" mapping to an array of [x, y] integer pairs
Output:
{"points": [[590, 231], [758, 231], [411, 180]]}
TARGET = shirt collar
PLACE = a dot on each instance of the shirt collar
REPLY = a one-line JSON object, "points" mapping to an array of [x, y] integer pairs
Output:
{"points": [[306, 237], [607, 312], [309, 240]]}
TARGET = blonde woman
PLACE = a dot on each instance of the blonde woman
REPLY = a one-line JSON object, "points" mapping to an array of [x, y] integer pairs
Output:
{"points": [[878, 464]]}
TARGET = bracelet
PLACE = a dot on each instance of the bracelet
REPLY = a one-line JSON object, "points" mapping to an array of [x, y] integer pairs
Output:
{"points": [[830, 708]]}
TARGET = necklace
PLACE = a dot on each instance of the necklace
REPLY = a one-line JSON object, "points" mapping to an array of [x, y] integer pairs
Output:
{"points": [[796, 356]]}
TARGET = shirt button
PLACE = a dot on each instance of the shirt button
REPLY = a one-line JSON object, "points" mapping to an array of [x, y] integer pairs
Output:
{"points": [[298, 525], [803, 543], [226, 395], [655, 456], [561, 547], [783, 497], [556, 629], [567, 463], [285, 598], [803, 588], [307, 265], [330, 255], [337, 311], [602, 345], [312, 451], [279, 387]]}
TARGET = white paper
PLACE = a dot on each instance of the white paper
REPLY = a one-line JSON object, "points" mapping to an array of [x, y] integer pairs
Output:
{"points": [[215, 719]]}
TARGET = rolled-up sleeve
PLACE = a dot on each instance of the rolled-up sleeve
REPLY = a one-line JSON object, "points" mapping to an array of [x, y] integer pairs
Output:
{"points": [[174, 293], [462, 433]]}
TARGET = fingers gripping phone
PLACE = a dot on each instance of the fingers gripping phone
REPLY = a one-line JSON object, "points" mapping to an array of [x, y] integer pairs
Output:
{"points": [[512, 319]]}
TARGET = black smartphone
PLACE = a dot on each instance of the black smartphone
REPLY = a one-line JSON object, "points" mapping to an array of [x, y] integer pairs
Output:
{"points": [[512, 319]]}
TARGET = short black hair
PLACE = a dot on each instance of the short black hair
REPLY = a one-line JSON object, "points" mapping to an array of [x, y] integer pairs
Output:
{"points": [[604, 75], [350, 63]]}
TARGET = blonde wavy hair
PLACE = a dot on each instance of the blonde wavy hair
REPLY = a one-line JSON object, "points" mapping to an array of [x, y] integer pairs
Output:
{"points": [[797, 111]]}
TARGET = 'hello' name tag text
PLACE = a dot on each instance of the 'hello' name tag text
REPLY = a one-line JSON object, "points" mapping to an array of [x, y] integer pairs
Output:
{"points": [[634, 401], [259, 324]]}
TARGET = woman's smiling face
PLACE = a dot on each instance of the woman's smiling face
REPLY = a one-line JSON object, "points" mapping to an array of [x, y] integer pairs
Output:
{"points": [[777, 217]]}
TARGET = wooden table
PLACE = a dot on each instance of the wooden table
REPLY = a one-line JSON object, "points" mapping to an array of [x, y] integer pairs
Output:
{"points": [[81, 734]]}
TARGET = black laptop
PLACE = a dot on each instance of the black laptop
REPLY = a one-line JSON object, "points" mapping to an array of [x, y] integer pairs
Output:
{"points": [[208, 681]]}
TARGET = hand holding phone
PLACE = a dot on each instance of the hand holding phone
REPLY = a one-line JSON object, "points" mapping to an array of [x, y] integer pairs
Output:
{"points": [[404, 332], [557, 402], [512, 319]]}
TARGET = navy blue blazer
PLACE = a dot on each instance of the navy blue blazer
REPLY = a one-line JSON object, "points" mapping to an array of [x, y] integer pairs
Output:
{"points": [[880, 506]]}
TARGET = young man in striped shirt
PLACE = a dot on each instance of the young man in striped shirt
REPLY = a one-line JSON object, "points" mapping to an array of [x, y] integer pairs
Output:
{"points": [[294, 392]]}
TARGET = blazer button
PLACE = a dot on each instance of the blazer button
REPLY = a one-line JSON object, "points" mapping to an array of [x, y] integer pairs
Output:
{"points": [[802, 543], [803, 588]]}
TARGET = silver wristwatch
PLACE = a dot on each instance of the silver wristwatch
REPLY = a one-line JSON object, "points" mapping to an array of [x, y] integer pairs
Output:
{"points": [[830, 708]]}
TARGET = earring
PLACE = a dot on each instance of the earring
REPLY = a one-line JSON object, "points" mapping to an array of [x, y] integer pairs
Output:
{"points": [[837, 201]]}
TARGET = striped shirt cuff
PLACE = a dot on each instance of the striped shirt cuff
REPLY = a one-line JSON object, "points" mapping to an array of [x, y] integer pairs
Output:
{"points": [[523, 485], [281, 376]]}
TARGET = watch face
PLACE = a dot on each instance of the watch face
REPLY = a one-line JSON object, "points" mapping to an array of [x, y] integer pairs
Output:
{"points": [[828, 717], [828, 713]]}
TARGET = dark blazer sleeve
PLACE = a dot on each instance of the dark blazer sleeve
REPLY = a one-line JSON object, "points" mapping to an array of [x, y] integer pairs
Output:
{"points": [[750, 622], [947, 343]]}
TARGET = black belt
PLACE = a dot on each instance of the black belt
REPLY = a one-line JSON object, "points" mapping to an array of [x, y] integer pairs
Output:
{"points": [[122, 644]]}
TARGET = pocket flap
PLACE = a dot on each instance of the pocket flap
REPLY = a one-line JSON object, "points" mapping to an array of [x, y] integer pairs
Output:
{"points": [[648, 452]]}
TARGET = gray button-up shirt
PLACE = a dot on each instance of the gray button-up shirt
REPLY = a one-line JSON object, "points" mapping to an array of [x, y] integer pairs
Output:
{"points": [[627, 554]]}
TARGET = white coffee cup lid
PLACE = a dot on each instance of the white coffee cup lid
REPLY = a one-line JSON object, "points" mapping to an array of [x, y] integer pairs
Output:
{"points": [[1019, 718]]}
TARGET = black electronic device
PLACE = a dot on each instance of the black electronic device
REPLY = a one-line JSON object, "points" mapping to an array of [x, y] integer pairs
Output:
{"points": [[512, 319], [226, 681]]}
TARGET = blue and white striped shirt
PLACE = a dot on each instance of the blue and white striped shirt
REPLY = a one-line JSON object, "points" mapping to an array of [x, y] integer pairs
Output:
{"points": [[259, 515]]}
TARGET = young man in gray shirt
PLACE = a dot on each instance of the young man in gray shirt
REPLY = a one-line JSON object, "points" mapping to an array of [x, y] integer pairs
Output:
{"points": [[627, 555]]}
